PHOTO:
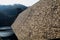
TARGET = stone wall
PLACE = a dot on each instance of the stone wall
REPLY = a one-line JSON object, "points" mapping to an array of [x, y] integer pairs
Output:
{"points": [[39, 22]]}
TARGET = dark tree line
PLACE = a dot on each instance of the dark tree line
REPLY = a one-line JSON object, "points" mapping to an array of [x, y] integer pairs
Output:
{"points": [[9, 13]]}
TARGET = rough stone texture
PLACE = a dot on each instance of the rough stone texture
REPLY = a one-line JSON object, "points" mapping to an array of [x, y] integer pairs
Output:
{"points": [[39, 22]]}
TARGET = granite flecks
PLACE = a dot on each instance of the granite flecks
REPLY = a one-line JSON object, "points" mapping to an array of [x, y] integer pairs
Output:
{"points": [[39, 22]]}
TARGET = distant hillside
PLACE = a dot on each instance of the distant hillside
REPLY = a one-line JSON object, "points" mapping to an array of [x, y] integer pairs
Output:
{"points": [[8, 13]]}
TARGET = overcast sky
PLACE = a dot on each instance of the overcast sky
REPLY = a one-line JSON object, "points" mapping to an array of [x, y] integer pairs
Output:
{"points": [[24, 2]]}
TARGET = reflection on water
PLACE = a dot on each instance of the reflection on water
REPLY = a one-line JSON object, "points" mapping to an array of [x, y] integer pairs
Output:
{"points": [[12, 37], [6, 31]]}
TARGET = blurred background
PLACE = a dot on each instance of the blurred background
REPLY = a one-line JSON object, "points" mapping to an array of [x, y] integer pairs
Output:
{"points": [[23, 2], [9, 10]]}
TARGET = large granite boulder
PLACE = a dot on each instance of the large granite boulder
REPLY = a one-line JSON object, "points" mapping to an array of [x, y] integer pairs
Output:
{"points": [[39, 22]]}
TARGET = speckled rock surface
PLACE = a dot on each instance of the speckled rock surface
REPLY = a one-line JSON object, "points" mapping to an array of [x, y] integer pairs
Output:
{"points": [[39, 22]]}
